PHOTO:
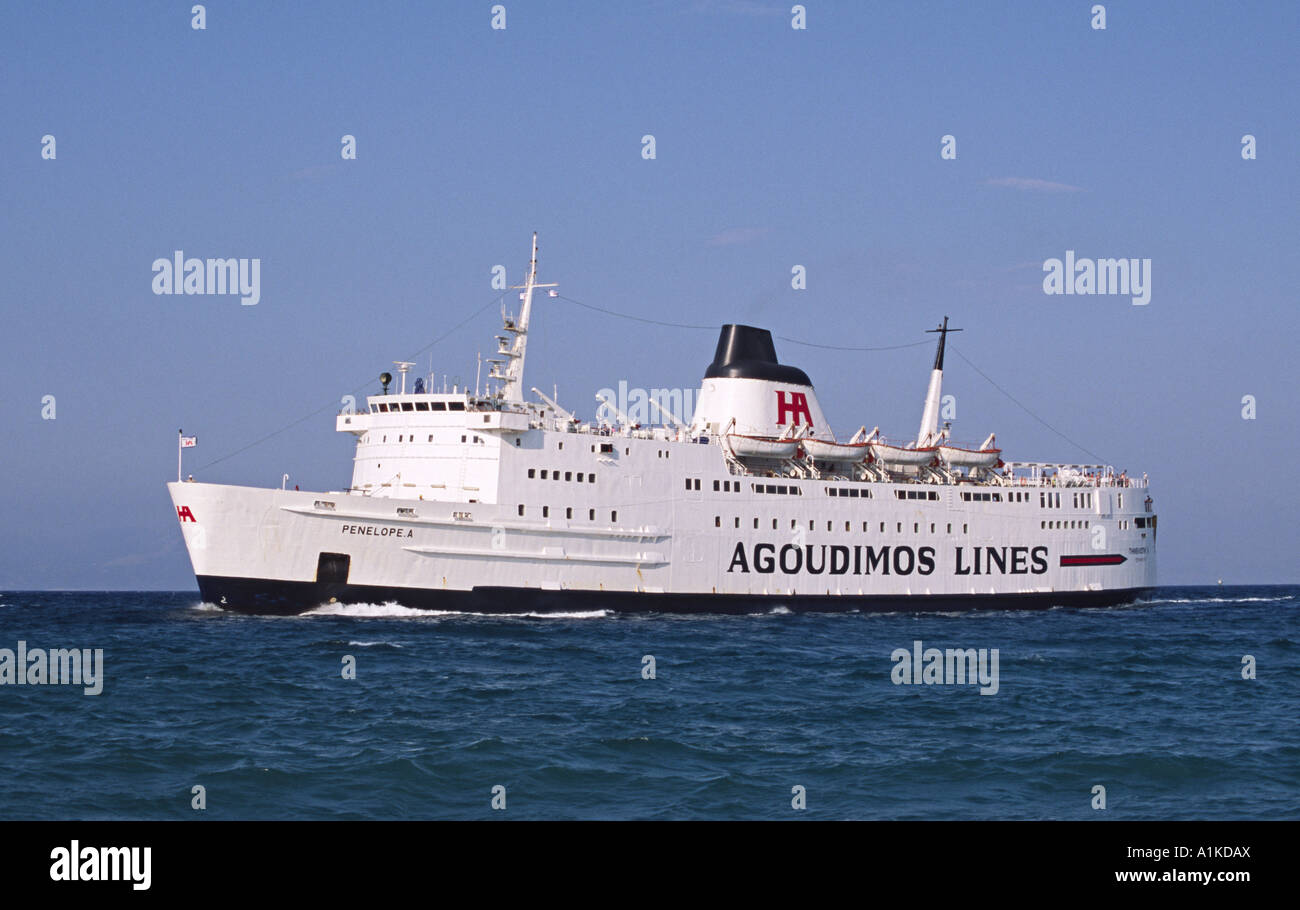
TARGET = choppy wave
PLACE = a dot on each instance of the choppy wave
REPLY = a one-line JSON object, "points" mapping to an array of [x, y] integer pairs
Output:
{"points": [[739, 708]]}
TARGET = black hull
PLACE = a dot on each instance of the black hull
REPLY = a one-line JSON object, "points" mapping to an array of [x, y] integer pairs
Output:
{"points": [[268, 597]]}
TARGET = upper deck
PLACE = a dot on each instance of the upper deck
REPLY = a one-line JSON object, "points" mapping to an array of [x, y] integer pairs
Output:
{"points": [[459, 426]]}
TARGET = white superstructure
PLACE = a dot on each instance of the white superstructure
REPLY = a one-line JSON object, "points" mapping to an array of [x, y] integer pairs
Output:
{"points": [[493, 503]]}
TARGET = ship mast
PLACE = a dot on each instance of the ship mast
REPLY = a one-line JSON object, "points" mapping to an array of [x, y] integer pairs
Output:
{"points": [[512, 390], [928, 434]]}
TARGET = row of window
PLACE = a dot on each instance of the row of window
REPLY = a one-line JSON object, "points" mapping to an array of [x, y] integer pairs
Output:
{"points": [[417, 406], [568, 475], [848, 525], [778, 489], [568, 513], [849, 492], [402, 437], [1062, 525], [1082, 500]]}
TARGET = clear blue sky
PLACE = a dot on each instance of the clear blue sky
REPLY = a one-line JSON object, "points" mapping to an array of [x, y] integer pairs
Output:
{"points": [[775, 147]]}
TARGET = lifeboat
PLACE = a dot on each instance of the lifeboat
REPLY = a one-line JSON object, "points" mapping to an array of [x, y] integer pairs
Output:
{"points": [[986, 456], [957, 457], [900, 457], [761, 446], [820, 450]]}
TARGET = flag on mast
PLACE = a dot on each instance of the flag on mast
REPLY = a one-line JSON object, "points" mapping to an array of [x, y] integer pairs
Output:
{"points": [[189, 442]]}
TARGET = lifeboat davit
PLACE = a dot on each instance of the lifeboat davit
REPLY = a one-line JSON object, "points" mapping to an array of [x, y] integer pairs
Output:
{"points": [[761, 446], [820, 450]]}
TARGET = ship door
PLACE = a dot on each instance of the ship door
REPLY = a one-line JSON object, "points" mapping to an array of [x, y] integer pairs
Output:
{"points": [[332, 568]]}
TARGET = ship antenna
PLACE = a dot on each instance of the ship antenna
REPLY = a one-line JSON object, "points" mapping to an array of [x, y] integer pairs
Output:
{"points": [[943, 331], [929, 430], [513, 390]]}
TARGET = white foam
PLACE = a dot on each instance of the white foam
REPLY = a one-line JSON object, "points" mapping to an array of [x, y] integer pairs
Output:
{"points": [[392, 609], [372, 644], [1215, 600]]}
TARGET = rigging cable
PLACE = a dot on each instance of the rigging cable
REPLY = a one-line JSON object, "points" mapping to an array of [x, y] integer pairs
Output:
{"points": [[835, 347], [674, 325], [1091, 453], [358, 388]]}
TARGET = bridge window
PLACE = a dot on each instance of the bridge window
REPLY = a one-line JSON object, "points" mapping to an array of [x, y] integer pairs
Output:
{"points": [[407, 406], [437, 406], [422, 405], [455, 406]]}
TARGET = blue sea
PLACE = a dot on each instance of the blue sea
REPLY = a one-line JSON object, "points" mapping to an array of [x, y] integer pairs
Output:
{"points": [[1147, 701]]}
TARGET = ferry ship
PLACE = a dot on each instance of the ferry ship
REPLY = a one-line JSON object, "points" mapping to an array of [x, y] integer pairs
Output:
{"points": [[495, 503]]}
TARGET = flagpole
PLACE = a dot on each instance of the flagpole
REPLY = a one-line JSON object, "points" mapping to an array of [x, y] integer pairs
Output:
{"points": [[178, 455]]}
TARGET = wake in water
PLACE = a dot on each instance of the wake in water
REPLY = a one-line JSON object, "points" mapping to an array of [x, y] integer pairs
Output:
{"points": [[396, 610], [1213, 600]]}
